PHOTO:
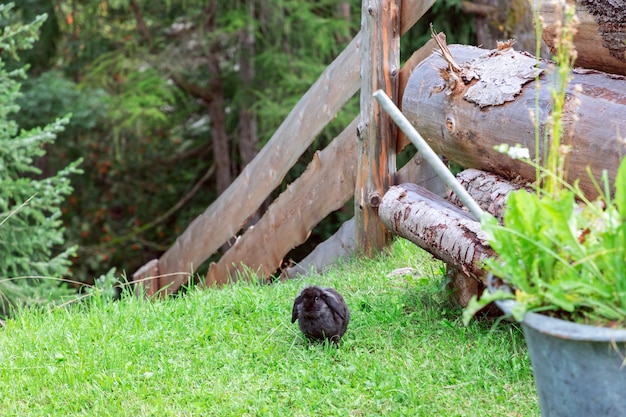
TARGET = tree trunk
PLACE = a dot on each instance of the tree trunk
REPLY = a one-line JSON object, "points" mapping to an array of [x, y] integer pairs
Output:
{"points": [[248, 136], [248, 139], [490, 105], [216, 106], [601, 38], [500, 20]]}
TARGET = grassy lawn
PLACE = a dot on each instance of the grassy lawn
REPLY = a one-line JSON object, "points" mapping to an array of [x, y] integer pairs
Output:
{"points": [[234, 352]]}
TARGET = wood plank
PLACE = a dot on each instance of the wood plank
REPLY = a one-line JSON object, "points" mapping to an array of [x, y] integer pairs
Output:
{"points": [[326, 185], [377, 134], [223, 218]]}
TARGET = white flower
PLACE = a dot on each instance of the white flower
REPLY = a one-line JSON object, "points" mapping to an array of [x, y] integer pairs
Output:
{"points": [[514, 152]]}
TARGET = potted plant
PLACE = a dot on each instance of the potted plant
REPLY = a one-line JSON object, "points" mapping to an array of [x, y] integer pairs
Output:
{"points": [[561, 272]]}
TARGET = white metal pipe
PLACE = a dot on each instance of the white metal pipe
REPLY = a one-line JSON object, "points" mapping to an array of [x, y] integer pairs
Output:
{"points": [[440, 168]]}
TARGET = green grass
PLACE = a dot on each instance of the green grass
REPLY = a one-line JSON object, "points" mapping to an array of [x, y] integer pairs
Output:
{"points": [[235, 352]]}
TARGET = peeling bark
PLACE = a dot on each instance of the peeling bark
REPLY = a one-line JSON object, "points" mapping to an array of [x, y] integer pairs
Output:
{"points": [[489, 190], [435, 225], [467, 133], [601, 38]]}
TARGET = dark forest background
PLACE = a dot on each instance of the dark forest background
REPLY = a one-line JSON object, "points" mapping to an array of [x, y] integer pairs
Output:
{"points": [[169, 100]]}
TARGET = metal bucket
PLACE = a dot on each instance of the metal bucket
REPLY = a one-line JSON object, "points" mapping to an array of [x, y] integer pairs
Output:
{"points": [[579, 370]]}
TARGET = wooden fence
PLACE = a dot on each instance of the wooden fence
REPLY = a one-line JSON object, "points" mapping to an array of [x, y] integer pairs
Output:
{"points": [[360, 162]]}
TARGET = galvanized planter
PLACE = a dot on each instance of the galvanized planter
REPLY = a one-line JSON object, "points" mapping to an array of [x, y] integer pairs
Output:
{"points": [[579, 370]]}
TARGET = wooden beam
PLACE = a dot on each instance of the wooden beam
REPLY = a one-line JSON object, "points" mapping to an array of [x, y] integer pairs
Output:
{"points": [[380, 65]]}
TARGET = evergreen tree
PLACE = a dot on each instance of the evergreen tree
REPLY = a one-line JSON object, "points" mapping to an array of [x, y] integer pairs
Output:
{"points": [[31, 230]]}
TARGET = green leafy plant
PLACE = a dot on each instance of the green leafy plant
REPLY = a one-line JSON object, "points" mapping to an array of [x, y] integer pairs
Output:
{"points": [[559, 252], [562, 256]]}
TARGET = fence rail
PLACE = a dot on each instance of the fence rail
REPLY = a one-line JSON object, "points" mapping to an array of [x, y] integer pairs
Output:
{"points": [[287, 224]]}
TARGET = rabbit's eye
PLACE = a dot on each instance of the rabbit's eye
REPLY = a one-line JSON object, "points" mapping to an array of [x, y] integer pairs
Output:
{"points": [[316, 298]]}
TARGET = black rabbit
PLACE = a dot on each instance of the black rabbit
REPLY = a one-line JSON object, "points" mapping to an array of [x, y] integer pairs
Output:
{"points": [[321, 313]]}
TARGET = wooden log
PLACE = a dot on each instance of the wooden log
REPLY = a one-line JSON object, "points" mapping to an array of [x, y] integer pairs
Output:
{"points": [[434, 224], [489, 190], [465, 273], [488, 106], [601, 38], [418, 56], [223, 218], [380, 65]]}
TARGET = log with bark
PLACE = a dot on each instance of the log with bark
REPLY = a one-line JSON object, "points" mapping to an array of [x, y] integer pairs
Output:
{"points": [[447, 231], [601, 37], [434, 224], [479, 99], [489, 190]]}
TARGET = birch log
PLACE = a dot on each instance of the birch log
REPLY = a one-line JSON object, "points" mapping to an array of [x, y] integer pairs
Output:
{"points": [[437, 226], [489, 190]]}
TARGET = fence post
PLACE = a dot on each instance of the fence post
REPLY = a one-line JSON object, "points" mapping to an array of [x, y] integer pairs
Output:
{"points": [[376, 133]]}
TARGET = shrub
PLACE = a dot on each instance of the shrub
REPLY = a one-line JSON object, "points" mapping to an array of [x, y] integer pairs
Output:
{"points": [[32, 257]]}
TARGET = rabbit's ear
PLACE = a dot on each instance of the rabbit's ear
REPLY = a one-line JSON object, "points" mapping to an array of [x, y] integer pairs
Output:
{"points": [[294, 312], [331, 301]]}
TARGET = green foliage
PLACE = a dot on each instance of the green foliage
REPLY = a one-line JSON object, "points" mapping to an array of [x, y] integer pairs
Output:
{"points": [[145, 135], [31, 230], [560, 257], [446, 16], [43, 50], [51, 96]]}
